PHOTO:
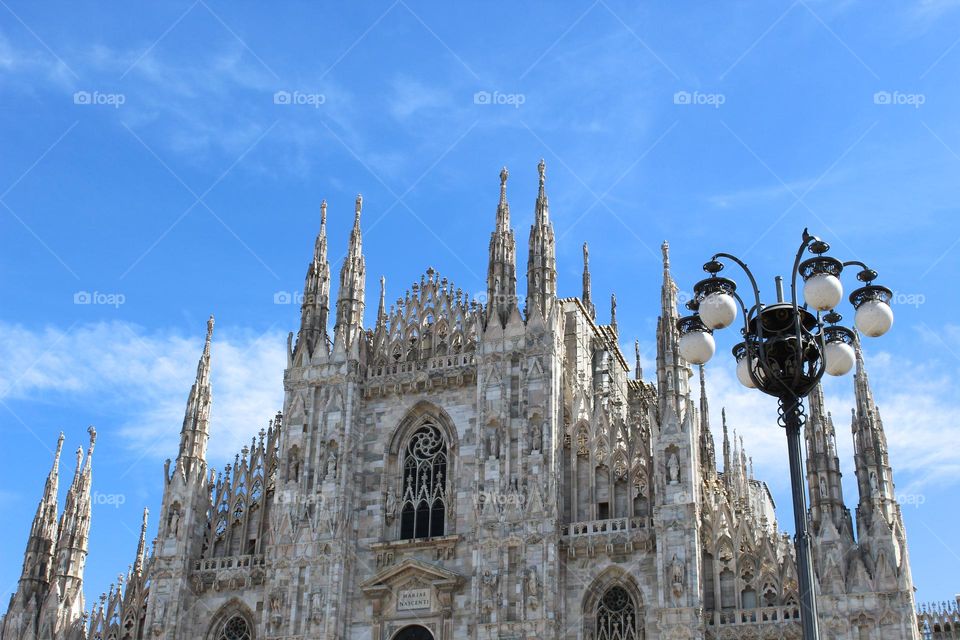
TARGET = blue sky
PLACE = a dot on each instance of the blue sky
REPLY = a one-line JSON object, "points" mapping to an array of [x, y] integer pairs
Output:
{"points": [[147, 160]]}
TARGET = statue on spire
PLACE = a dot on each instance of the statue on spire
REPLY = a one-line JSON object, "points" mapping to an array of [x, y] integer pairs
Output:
{"points": [[587, 302], [613, 312], [637, 371]]}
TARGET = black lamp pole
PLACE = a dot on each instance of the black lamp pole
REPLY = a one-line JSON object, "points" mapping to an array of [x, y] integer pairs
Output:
{"points": [[785, 351]]}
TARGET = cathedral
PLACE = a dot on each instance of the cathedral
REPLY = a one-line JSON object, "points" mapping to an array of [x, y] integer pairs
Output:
{"points": [[484, 467]]}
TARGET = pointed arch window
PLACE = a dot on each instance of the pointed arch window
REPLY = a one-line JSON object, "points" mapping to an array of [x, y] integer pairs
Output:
{"points": [[617, 616], [236, 628], [424, 501]]}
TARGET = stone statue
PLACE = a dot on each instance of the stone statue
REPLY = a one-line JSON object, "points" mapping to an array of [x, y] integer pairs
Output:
{"points": [[174, 528], [316, 606], [332, 463], [160, 617], [673, 469], [493, 443], [874, 484], [676, 576], [536, 437], [533, 588], [391, 505], [488, 584]]}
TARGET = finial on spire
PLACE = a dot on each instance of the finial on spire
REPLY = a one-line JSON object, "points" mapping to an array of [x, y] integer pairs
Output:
{"points": [[358, 207], [93, 441], [613, 311], [323, 212], [542, 170], [382, 308], [209, 329], [637, 371], [587, 294], [56, 456], [503, 188], [141, 545], [665, 250], [858, 349]]}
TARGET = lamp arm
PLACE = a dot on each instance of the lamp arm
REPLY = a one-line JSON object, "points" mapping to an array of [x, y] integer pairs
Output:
{"points": [[807, 240], [758, 305], [743, 265]]}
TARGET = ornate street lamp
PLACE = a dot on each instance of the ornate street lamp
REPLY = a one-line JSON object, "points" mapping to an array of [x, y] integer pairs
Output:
{"points": [[786, 349]]}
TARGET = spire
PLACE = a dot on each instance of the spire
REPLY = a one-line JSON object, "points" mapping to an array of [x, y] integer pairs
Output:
{"points": [[587, 302], [502, 266], [542, 259], [350, 296], [141, 545], [727, 468], [673, 374], [382, 307], [315, 310], [503, 207], [871, 459], [637, 369], [542, 205], [708, 457], [823, 467], [613, 312], [195, 431], [38, 558], [862, 390], [72, 543]]}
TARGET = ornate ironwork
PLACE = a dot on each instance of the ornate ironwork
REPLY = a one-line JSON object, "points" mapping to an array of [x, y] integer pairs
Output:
{"points": [[784, 345]]}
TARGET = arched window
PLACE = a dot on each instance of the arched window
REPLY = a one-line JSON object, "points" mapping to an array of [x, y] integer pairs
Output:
{"points": [[414, 632], [424, 500], [617, 616], [236, 628]]}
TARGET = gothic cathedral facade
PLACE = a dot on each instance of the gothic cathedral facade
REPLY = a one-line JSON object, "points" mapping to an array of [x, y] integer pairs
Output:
{"points": [[471, 469]]}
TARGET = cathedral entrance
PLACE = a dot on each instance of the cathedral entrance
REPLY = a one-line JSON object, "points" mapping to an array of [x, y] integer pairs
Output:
{"points": [[414, 632]]}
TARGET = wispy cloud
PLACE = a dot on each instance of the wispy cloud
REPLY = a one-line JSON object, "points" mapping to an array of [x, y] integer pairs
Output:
{"points": [[918, 411], [143, 378]]}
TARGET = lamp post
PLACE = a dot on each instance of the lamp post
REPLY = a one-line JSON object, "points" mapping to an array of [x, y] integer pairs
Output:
{"points": [[787, 347]]}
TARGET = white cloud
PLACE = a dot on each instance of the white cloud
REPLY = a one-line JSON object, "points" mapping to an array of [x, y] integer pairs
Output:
{"points": [[144, 379], [410, 96], [918, 411]]}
